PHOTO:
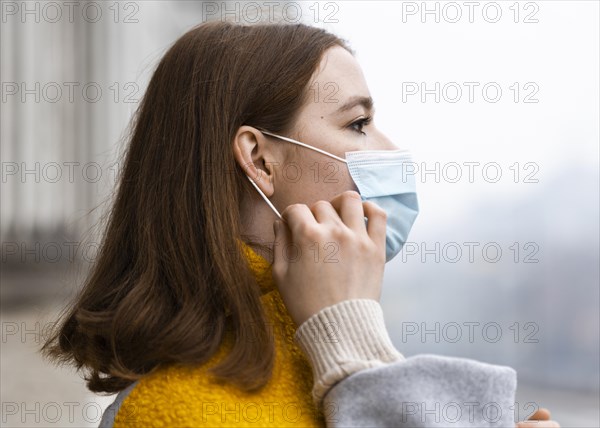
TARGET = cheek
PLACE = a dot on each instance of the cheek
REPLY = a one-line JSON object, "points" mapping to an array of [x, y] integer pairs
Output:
{"points": [[324, 179], [336, 177], [309, 178]]}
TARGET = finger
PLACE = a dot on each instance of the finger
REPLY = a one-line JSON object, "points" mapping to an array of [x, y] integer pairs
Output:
{"points": [[538, 424], [324, 213], [297, 217], [376, 224], [541, 414], [282, 240], [350, 209]]}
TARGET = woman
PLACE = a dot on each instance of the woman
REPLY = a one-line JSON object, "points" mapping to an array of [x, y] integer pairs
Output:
{"points": [[193, 307]]}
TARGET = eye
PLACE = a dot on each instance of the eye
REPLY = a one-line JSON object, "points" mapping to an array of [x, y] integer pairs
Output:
{"points": [[358, 125]]}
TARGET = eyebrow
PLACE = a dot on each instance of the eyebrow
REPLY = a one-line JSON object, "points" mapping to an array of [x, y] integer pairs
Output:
{"points": [[366, 102]]}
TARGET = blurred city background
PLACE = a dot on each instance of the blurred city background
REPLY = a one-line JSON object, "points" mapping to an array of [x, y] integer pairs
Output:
{"points": [[498, 101]]}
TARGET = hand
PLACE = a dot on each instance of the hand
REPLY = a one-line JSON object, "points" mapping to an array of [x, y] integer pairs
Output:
{"points": [[326, 254], [540, 419]]}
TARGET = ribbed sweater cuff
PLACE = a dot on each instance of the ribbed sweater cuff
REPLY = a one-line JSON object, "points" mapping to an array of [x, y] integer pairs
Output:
{"points": [[345, 338]]}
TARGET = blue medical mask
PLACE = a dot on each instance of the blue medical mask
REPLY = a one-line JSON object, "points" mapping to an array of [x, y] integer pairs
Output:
{"points": [[381, 177]]}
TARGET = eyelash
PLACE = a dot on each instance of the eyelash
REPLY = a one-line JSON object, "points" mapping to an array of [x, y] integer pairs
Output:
{"points": [[362, 122]]}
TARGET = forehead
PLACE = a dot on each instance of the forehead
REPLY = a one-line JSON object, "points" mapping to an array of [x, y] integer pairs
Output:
{"points": [[338, 78]]}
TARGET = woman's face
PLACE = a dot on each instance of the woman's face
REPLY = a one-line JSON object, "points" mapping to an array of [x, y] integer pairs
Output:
{"points": [[335, 119]]}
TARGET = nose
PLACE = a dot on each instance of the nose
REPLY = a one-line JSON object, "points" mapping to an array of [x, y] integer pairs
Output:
{"points": [[384, 143]]}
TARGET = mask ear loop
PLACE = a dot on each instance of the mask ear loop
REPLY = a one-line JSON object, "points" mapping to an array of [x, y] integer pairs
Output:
{"points": [[305, 145], [294, 142], [266, 199]]}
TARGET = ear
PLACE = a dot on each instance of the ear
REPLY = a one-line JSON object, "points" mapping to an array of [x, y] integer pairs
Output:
{"points": [[251, 152]]}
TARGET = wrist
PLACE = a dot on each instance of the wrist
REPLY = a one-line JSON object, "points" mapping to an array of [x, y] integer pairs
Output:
{"points": [[344, 338]]}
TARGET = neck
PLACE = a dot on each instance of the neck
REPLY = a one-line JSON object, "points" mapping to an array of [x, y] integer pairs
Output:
{"points": [[257, 223]]}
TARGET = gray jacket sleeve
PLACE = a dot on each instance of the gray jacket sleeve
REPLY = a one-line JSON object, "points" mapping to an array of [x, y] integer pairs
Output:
{"points": [[424, 391], [110, 414], [362, 380]]}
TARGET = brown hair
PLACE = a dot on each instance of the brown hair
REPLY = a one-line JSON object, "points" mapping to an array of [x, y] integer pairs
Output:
{"points": [[170, 266]]}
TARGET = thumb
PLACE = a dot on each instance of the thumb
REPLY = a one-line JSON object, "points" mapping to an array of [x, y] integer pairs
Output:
{"points": [[279, 238], [280, 244]]}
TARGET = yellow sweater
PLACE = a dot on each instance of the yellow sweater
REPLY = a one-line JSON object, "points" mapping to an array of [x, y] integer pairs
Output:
{"points": [[188, 397]]}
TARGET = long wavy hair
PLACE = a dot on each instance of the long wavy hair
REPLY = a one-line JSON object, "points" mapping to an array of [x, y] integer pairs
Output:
{"points": [[170, 278]]}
